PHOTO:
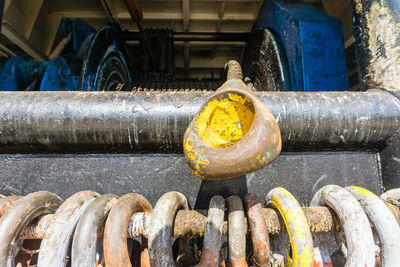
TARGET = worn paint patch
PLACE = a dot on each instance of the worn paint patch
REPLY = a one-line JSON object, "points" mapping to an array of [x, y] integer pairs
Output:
{"points": [[196, 158], [223, 122], [384, 68]]}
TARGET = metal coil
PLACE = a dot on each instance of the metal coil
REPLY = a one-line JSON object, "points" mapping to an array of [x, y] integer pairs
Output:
{"points": [[282, 234]]}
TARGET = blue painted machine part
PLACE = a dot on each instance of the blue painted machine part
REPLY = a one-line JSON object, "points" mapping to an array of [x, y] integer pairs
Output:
{"points": [[22, 75], [56, 76], [312, 41], [17, 74]]}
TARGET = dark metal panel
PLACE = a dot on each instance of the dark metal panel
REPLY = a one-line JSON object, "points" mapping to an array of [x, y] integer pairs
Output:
{"points": [[153, 175]]}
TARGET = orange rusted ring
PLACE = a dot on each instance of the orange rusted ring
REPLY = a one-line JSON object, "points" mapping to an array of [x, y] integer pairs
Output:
{"points": [[236, 233], [259, 147], [213, 234], [259, 233], [16, 219], [116, 229]]}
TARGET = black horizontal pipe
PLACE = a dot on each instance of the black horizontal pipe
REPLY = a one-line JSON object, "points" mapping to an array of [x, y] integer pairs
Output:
{"points": [[63, 122], [195, 36]]}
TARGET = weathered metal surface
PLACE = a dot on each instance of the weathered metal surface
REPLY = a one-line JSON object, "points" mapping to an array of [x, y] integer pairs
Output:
{"points": [[301, 242], [16, 219], [312, 42], [359, 240], [153, 175], [161, 227], [376, 26], [259, 233], [236, 233], [56, 242], [231, 126], [156, 122], [213, 233], [84, 244], [384, 223], [391, 194]]}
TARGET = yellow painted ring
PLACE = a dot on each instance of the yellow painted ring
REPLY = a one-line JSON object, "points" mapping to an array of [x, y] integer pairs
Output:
{"points": [[296, 225]]}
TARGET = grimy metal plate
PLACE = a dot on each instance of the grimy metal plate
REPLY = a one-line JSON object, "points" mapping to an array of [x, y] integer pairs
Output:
{"points": [[155, 174]]}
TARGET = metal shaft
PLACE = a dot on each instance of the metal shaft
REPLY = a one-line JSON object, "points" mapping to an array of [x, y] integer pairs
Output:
{"points": [[156, 122], [196, 36]]}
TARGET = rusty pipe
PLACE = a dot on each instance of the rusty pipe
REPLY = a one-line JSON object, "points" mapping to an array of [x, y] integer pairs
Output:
{"points": [[115, 232], [259, 233], [231, 126], [213, 234], [14, 220]]}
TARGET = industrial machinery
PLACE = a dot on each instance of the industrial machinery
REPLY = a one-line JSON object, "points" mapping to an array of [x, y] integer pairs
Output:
{"points": [[304, 177]]}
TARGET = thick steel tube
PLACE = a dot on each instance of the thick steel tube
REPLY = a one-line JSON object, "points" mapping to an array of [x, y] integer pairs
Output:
{"points": [[156, 122]]}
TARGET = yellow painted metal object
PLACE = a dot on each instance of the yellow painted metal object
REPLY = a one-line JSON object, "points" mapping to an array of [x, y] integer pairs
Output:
{"points": [[233, 133], [296, 225]]}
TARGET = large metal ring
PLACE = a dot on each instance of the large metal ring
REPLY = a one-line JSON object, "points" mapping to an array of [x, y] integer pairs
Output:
{"points": [[116, 230], [57, 239], [84, 244], [296, 225], [213, 234], [359, 239], [259, 233], [236, 233], [384, 222], [16, 219], [160, 233]]}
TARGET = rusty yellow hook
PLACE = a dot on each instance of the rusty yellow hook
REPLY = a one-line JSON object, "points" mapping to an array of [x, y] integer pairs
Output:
{"points": [[233, 133]]}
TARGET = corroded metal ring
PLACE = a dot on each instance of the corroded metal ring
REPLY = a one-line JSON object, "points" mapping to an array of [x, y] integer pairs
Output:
{"points": [[236, 233], [16, 219], [160, 232], [213, 234], [233, 125], [296, 225], [84, 244], [384, 222], [359, 239], [57, 239], [259, 233], [116, 230]]}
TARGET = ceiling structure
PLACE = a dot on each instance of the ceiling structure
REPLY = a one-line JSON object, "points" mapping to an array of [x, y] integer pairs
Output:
{"points": [[31, 25]]}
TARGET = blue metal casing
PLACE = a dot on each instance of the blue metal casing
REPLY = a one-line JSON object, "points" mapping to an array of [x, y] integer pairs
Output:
{"points": [[312, 41]]}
